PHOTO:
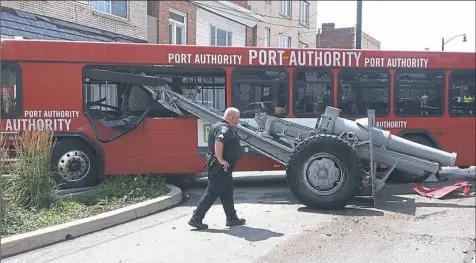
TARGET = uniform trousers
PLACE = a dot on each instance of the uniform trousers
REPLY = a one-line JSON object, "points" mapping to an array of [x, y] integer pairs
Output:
{"points": [[219, 186]]}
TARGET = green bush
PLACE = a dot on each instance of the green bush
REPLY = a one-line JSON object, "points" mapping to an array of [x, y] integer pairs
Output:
{"points": [[30, 197], [113, 193], [31, 184]]}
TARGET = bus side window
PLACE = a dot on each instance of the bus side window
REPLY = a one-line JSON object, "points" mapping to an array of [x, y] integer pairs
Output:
{"points": [[312, 91], [257, 89], [461, 98], [419, 93], [362, 89], [125, 94], [10, 94]]}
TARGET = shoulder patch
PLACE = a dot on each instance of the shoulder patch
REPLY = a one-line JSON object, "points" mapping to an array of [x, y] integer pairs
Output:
{"points": [[223, 129]]}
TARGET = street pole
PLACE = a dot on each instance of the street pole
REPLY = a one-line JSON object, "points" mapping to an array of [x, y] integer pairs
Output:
{"points": [[358, 30], [442, 44]]}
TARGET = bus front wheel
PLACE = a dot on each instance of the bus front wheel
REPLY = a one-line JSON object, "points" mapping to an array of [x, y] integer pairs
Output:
{"points": [[74, 164]]}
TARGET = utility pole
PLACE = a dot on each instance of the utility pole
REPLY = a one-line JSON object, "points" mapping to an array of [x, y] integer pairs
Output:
{"points": [[358, 30]]}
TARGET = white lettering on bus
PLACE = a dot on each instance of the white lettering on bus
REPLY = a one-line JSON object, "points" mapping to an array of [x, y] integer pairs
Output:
{"points": [[35, 120], [181, 58], [391, 124], [305, 58], [299, 58]]}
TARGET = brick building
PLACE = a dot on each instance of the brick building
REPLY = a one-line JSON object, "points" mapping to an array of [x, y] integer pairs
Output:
{"points": [[106, 21], [344, 38], [216, 23]]}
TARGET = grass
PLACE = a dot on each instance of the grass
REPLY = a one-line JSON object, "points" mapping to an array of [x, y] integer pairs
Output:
{"points": [[30, 199]]}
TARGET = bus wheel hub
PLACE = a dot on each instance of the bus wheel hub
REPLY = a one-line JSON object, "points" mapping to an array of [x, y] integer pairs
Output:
{"points": [[73, 165]]}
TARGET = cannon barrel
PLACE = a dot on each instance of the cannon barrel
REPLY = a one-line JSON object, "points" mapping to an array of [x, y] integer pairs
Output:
{"points": [[332, 124]]}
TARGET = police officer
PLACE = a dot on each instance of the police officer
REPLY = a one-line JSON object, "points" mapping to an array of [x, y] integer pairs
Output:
{"points": [[224, 152]]}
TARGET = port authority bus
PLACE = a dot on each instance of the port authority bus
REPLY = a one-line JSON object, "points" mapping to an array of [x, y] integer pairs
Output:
{"points": [[107, 124]]}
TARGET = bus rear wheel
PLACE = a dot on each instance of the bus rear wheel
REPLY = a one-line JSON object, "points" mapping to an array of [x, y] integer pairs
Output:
{"points": [[324, 172], [398, 176], [74, 164]]}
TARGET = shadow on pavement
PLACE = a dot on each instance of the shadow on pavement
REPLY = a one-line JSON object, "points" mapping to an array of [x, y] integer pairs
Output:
{"points": [[248, 233], [348, 211], [408, 206]]}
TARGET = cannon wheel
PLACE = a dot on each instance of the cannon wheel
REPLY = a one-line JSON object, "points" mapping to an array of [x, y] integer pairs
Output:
{"points": [[398, 176], [324, 172]]}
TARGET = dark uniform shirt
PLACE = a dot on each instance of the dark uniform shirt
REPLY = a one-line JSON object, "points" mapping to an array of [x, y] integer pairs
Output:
{"points": [[223, 132]]}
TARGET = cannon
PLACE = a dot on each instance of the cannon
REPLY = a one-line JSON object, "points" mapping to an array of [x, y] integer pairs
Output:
{"points": [[332, 163], [326, 165]]}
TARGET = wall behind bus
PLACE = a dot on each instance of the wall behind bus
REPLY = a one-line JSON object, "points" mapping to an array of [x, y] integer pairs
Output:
{"points": [[81, 12]]}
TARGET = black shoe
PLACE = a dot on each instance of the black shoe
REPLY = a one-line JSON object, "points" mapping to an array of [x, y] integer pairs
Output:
{"points": [[197, 223], [235, 221]]}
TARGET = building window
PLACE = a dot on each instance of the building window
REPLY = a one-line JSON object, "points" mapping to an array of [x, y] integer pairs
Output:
{"points": [[304, 13], [462, 93], [362, 89], [286, 8], [177, 28], [260, 90], [302, 45], [267, 37], [116, 8], [284, 41], [219, 37]]}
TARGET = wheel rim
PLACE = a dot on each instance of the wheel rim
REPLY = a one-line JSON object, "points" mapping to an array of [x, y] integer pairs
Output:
{"points": [[323, 174], [74, 165]]}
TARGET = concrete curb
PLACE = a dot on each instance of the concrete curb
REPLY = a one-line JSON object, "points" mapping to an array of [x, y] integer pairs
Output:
{"points": [[39, 238]]}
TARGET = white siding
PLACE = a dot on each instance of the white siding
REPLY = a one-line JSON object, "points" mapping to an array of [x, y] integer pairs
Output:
{"points": [[205, 19], [289, 26]]}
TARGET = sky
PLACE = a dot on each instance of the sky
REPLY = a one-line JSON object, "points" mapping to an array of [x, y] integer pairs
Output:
{"points": [[407, 25]]}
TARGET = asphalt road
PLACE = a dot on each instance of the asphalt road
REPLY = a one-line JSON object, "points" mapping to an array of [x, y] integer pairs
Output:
{"points": [[402, 229]]}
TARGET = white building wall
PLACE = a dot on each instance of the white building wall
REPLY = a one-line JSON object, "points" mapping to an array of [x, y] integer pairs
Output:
{"points": [[81, 12], [288, 26], [205, 19]]}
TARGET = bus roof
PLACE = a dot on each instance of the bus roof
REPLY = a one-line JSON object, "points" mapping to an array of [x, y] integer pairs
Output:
{"points": [[134, 53]]}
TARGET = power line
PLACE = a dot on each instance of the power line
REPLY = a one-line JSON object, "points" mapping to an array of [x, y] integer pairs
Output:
{"points": [[257, 20], [253, 19], [287, 30]]}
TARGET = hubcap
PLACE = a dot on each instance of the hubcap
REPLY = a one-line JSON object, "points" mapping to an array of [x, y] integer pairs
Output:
{"points": [[73, 165], [323, 173]]}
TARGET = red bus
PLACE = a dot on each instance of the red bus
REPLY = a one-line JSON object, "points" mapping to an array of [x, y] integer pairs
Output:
{"points": [[106, 123]]}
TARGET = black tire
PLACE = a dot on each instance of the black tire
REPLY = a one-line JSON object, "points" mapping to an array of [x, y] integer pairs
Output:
{"points": [[398, 176], [85, 160], [342, 152]]}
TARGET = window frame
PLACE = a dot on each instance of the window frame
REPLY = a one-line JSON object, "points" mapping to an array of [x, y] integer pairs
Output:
{"points": [[285, 82], [287, 39], [297, 82], [285, 8], [450, 84], [110, 9], [174, 23], [228, 34], [303, 5], [303, 45], [18, 89], [388, 85], [267, 38], [395, 93]]}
